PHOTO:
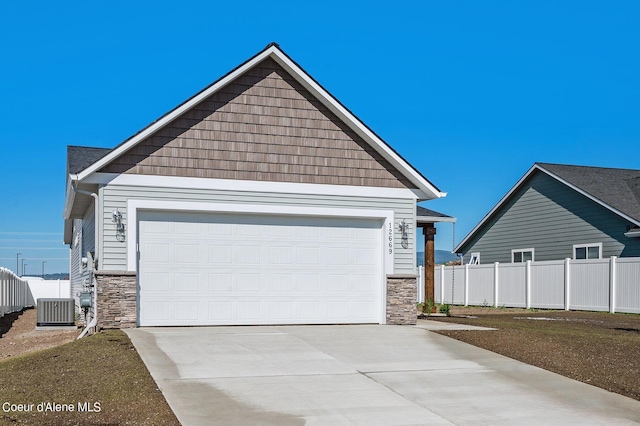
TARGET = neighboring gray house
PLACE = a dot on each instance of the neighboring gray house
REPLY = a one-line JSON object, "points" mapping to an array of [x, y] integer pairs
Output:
{"points": [[259, 200], [560, 211]]}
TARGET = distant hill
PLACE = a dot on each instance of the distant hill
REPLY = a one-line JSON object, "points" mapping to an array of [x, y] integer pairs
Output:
{"points": [[442, 256]]}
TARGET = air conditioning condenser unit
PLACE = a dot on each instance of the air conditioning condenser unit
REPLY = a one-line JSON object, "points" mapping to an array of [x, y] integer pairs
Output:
{"points": [[56, 313]]}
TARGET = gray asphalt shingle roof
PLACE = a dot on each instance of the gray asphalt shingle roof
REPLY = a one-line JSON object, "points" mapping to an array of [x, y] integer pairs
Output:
{"points": [[618, 188], [81, 157], [421, 211]]}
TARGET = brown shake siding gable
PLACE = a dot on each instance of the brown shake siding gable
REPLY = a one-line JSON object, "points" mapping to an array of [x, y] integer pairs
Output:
{"points": [[263, 126]]}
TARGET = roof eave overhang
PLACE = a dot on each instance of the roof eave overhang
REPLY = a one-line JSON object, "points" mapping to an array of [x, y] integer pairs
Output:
{"points": [[69, 196], [634, 233], [76, 198], [427, 190], [434, 219]]}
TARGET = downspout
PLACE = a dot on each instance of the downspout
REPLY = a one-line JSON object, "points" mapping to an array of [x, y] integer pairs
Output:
{"points": [[94, 318]]}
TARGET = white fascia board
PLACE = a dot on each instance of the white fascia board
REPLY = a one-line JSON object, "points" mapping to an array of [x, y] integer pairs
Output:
{"points": [[69, 197], [250, 186], [435, 219], [134, 206], [428, 190], [496, 207]]}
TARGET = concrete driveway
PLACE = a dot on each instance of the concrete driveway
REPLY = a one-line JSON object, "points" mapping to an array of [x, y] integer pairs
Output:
{"points": [[360, 374]]}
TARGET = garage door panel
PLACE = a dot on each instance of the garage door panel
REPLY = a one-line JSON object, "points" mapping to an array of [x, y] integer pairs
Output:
{"points": [[280, 310], [186, 282], [338, 311], [220, 311], [249, 283], [308, 284], [156, 311], [248, 255], [221, 283], [158, 253], [155, 282], [186, 310], [186, 228], [280, 283], [220, 254], [186, 253], [280, 255], [255, 269], [362, 309], [308, 256], [338, 283], [249, 310]]}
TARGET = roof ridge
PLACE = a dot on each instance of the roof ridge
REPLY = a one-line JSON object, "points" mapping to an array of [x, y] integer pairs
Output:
{"points": [[585, 167]]}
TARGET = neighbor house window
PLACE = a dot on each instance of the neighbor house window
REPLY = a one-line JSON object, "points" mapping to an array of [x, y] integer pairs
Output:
{"points": [[587, 251], [522, 255], [474, 259]]}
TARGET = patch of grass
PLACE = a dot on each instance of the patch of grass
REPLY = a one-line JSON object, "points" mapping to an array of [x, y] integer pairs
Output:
{"points": [[102, 372], [597, 348]]}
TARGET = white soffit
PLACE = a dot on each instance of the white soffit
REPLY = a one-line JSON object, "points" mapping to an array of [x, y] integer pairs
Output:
{"points": [[435, 219], [429, 191]]}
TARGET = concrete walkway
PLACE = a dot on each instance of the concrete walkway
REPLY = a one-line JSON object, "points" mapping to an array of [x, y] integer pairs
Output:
{"points": [[362, 375]]}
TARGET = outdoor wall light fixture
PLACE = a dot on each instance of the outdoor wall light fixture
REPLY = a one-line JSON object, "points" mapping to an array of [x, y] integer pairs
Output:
{"points": [[116, 217], [404, 230]]}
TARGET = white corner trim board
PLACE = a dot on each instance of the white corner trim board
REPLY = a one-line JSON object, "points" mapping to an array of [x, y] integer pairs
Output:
{"points": [[134, 206]]}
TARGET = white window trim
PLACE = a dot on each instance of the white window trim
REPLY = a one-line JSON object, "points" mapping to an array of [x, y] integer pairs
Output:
{"points": [[532, 250], [586, 246], [474, 259]]}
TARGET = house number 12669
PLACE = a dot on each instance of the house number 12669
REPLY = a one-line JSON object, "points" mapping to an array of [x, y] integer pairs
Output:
{"points": [[390, 238]]}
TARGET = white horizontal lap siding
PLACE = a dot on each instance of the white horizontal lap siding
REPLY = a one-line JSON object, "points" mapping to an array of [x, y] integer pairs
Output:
{"points": [[75, 273], [114, 256]]}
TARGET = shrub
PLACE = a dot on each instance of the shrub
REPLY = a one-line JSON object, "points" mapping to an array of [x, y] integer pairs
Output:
{"points": [[445, 309]]}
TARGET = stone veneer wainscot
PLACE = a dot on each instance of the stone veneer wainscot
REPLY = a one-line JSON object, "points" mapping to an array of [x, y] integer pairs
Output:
{"points": [[401, 299], [117, 305]]}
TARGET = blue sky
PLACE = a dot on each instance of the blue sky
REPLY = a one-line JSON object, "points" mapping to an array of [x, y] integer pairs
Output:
{"points": [[470, 93]]}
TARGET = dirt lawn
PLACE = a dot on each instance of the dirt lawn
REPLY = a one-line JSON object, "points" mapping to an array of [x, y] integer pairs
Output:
{"points": [[597, 348], [18, 335]]}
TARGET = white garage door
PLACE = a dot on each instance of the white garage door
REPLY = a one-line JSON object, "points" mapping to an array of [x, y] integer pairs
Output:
{"points": [[215, 269]]}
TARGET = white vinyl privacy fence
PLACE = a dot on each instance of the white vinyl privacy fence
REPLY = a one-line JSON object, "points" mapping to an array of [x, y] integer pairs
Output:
{"points": [[611, 285], [14, 292]]}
